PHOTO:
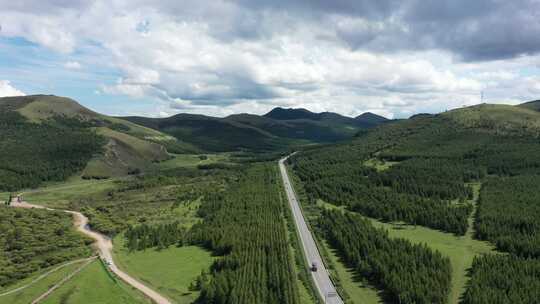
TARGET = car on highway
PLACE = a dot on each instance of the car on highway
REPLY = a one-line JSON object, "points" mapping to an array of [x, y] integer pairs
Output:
{"points": [[314, 266]]}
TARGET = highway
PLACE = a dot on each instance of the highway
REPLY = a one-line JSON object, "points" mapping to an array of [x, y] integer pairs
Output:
{"points": [[320, 277]]}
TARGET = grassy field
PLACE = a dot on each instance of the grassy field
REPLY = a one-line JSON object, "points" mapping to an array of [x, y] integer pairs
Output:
{"points": [[193, 160], [460, 249], [169, 271], [93, 285], [27, 295], [61, 195]]}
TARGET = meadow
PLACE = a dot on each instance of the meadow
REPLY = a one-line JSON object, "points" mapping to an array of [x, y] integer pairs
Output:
{"points": [[171, 271], [94, 285], [36, 289]]}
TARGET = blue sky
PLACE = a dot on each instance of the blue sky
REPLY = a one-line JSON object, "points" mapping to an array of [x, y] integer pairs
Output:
{"points": [[34, 69], [158, 58]]}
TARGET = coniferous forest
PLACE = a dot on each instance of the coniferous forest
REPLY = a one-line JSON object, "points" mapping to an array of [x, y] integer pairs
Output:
{"points": [[407, 273], [245, 225], [159, 235], [49, 151], [417, 171]]}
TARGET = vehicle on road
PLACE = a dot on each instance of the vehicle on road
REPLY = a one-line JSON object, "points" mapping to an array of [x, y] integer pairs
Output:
{"points": [[314, 266]]}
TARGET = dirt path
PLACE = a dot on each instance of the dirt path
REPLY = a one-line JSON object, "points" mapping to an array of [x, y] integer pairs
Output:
{"points": [[64, 280], [104, 247], [41, 277]]}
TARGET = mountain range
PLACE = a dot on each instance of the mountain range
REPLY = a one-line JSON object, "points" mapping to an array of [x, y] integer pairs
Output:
{"points": [[46, 127]]}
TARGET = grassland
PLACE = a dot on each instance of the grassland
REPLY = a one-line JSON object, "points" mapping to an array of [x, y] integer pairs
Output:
{"points": [[170, 271], [64, 195], [93, 285], [33, 291], [460, 250], [193, 160]]}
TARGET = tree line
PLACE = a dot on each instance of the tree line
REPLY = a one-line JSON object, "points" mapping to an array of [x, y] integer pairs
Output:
{"points": [[509, 217], [503, 279], [406, 273], [161, 235]]}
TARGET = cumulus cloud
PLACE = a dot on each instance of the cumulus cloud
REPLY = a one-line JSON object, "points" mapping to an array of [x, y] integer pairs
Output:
{"points": [[6, 89], [390, 57]]}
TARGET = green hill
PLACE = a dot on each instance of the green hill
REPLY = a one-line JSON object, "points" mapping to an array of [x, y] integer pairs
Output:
{"points": [[531, 105], [211, 134], [497, 118], [273, 131], [49, 138]]}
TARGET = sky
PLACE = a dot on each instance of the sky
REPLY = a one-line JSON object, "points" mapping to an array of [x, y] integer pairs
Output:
{"points": [[220, 57]]}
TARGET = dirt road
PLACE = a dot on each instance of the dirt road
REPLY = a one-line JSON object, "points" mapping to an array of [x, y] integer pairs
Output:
{"points": [[104, 247]]}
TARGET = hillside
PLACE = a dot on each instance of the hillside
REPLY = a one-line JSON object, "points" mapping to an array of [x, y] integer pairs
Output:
{"points": [[426, 171], [275, 130], [211, 134], [58, 137], [498, 118], [531, 105]]}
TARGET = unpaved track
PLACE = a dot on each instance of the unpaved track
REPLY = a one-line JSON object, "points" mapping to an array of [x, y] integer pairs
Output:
{"points": [[104, 247], [64, 280], [46, 274], [324, 285]]}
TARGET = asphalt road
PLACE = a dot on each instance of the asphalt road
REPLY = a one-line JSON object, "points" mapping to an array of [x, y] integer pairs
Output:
{"points": [[321, 278]]}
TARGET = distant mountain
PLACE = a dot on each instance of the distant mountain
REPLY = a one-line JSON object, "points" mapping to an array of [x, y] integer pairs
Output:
{"points": [[368, 120], [277, 129], [125, 147], [290, 114], [210, 133]]}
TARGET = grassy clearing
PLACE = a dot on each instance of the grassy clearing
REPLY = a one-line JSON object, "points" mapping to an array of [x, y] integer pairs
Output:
{"points": [[169, 271], [460, 249], [379, 164], [193, 160], [27, 295], [61, 195], [93, 285]]}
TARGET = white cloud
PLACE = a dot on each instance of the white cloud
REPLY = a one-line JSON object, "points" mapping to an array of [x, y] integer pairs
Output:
{"points": [[73, 65], [233, 57], [6, 89]]}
